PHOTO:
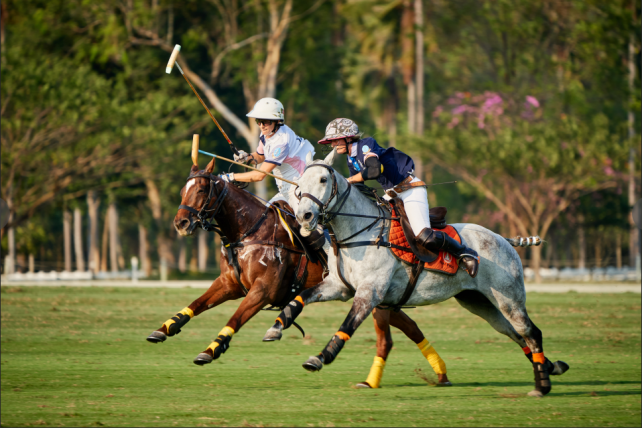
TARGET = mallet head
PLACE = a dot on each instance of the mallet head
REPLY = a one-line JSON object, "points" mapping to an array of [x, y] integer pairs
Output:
{"points": [[195, 149], [172, 59]]}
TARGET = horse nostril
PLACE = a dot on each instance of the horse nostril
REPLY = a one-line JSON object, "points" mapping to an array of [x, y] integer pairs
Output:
{"points": [[184, 224], [307, 216]]}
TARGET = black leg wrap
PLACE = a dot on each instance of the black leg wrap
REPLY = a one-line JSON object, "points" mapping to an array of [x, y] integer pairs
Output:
{"points": [[180, 321], [224, 343], [290, 312], [332, 349], [542, 382]]}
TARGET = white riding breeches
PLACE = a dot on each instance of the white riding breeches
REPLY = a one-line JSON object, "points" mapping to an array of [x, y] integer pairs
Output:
{"points": [[415, 201]]}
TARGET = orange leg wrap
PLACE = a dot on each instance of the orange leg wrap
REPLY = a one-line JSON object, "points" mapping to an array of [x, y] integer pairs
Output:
{"points": [[526, 350], [343, 336], [538, 357]]}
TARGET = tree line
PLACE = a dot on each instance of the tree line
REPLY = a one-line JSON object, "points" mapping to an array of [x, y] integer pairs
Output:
{"points": [[532, 106]]}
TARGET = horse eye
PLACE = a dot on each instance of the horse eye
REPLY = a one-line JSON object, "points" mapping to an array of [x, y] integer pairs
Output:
{"points": [[324, 180], [201, 191]]}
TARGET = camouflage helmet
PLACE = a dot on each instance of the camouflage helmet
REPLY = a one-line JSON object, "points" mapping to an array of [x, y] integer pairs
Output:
{"points": [[340, 128]]}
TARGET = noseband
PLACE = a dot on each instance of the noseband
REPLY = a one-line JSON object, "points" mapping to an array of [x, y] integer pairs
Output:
{"points": [[327, 216], [204, 214]]}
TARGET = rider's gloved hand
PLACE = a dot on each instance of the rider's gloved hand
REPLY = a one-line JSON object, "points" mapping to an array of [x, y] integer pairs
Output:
{"points": [[242, 156], [228, 177]]}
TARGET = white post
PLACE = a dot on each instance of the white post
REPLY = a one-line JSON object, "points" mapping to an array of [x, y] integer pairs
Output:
{"points": [[163, 270], [134, 261], [32, 264]]}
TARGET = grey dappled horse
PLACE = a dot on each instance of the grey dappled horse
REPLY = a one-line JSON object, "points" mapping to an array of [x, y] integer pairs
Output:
{"points": [[496, 294]]}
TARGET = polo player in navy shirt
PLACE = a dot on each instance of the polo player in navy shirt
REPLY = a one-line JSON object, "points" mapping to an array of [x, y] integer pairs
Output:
{"points": [[394, 169]]}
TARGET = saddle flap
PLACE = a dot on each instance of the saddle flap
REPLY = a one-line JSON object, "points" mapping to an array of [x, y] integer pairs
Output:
{"points": [[422, 254]]}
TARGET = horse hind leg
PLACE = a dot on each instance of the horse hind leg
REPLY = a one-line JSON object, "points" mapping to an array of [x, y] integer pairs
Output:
{"points": [[410, 328], [515, 312], [381, 320]]}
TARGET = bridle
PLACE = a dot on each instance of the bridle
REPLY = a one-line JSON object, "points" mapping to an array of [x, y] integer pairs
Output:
{"points": [[205, 213], [326, 216]]}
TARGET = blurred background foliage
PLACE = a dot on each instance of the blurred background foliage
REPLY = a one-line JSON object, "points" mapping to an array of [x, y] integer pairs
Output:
{"points": [[533, 106]]}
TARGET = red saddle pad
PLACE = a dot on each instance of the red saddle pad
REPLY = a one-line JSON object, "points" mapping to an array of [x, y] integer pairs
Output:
{"points": [[445, 263]]}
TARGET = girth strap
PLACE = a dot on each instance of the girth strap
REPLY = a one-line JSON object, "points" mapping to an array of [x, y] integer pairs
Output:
{"points": [[412, 283]]}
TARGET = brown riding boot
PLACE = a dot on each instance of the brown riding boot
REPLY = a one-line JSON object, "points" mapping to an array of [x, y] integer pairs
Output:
{"points": [[435, 240]]}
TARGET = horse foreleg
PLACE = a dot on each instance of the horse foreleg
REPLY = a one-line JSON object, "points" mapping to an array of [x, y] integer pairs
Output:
{"points": [[322, 292], [250, 306], [364, 303], [219, 292], [410, 328]]}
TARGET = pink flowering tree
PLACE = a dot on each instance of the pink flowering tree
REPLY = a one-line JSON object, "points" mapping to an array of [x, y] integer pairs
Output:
{"points": [[531, 164]]}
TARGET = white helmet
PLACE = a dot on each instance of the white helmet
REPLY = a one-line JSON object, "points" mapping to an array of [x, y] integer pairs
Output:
{"points": [[268, 108]]}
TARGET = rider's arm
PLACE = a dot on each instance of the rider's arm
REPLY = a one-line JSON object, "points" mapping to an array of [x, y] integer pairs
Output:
{"points": [[357, 178], [252, 176], [259, 158]]}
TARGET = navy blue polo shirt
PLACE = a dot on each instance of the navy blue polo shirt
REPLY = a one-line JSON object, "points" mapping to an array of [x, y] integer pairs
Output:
{"points": [[396, 164]]}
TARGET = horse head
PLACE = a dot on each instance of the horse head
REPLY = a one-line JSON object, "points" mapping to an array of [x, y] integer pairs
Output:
{"points": [[318, 187], [198, 195]]}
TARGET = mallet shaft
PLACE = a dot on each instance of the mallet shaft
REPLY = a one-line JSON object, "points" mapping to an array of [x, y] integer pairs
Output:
{"points": [[236, 152], [247, 166]]}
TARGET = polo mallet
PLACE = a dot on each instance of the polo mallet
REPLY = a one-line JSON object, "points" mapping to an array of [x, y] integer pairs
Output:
{"points": [[168, 70], [239, 163]]}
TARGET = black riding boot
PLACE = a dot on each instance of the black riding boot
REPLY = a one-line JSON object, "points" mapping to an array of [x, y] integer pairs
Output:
{"points": [[435, 240]]}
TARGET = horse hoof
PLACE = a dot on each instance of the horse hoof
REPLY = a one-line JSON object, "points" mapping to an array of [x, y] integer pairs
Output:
{"points": [[313, 364], [272, 335], [447, 383], [560, 368], [535, 393], [202, 359], [157, 337], [363, 385]]}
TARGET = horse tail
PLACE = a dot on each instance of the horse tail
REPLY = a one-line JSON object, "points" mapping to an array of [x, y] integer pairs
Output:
{"points": [[518, 241]]}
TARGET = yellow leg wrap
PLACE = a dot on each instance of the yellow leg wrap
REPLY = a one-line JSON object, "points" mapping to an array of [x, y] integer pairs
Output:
{"points": [[227, 331], [185, 311], [376, 372], [438, 365]]}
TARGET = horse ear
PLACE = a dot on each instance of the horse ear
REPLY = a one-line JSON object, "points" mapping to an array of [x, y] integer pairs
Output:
{"points": [[210, 166], [309, 159], [329, 160], [194, 169]]}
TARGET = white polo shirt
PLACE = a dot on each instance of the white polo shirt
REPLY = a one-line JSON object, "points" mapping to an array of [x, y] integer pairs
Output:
{"points": [[288, 152]]}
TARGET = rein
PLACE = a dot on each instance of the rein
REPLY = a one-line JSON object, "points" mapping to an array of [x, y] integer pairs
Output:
{"points": [[327, 216]]}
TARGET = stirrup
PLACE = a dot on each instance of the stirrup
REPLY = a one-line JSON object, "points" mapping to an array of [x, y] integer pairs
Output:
{"points": [[470, 264]]}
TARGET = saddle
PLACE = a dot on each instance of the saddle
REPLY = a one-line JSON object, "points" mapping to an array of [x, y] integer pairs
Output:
{"points": [[437, 221]]}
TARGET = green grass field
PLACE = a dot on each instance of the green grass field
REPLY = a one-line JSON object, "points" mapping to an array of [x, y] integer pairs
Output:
{"points": [[78, 357]]}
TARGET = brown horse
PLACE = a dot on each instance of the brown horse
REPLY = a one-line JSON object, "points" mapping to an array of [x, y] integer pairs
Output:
{"points": [[262, 259]]}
